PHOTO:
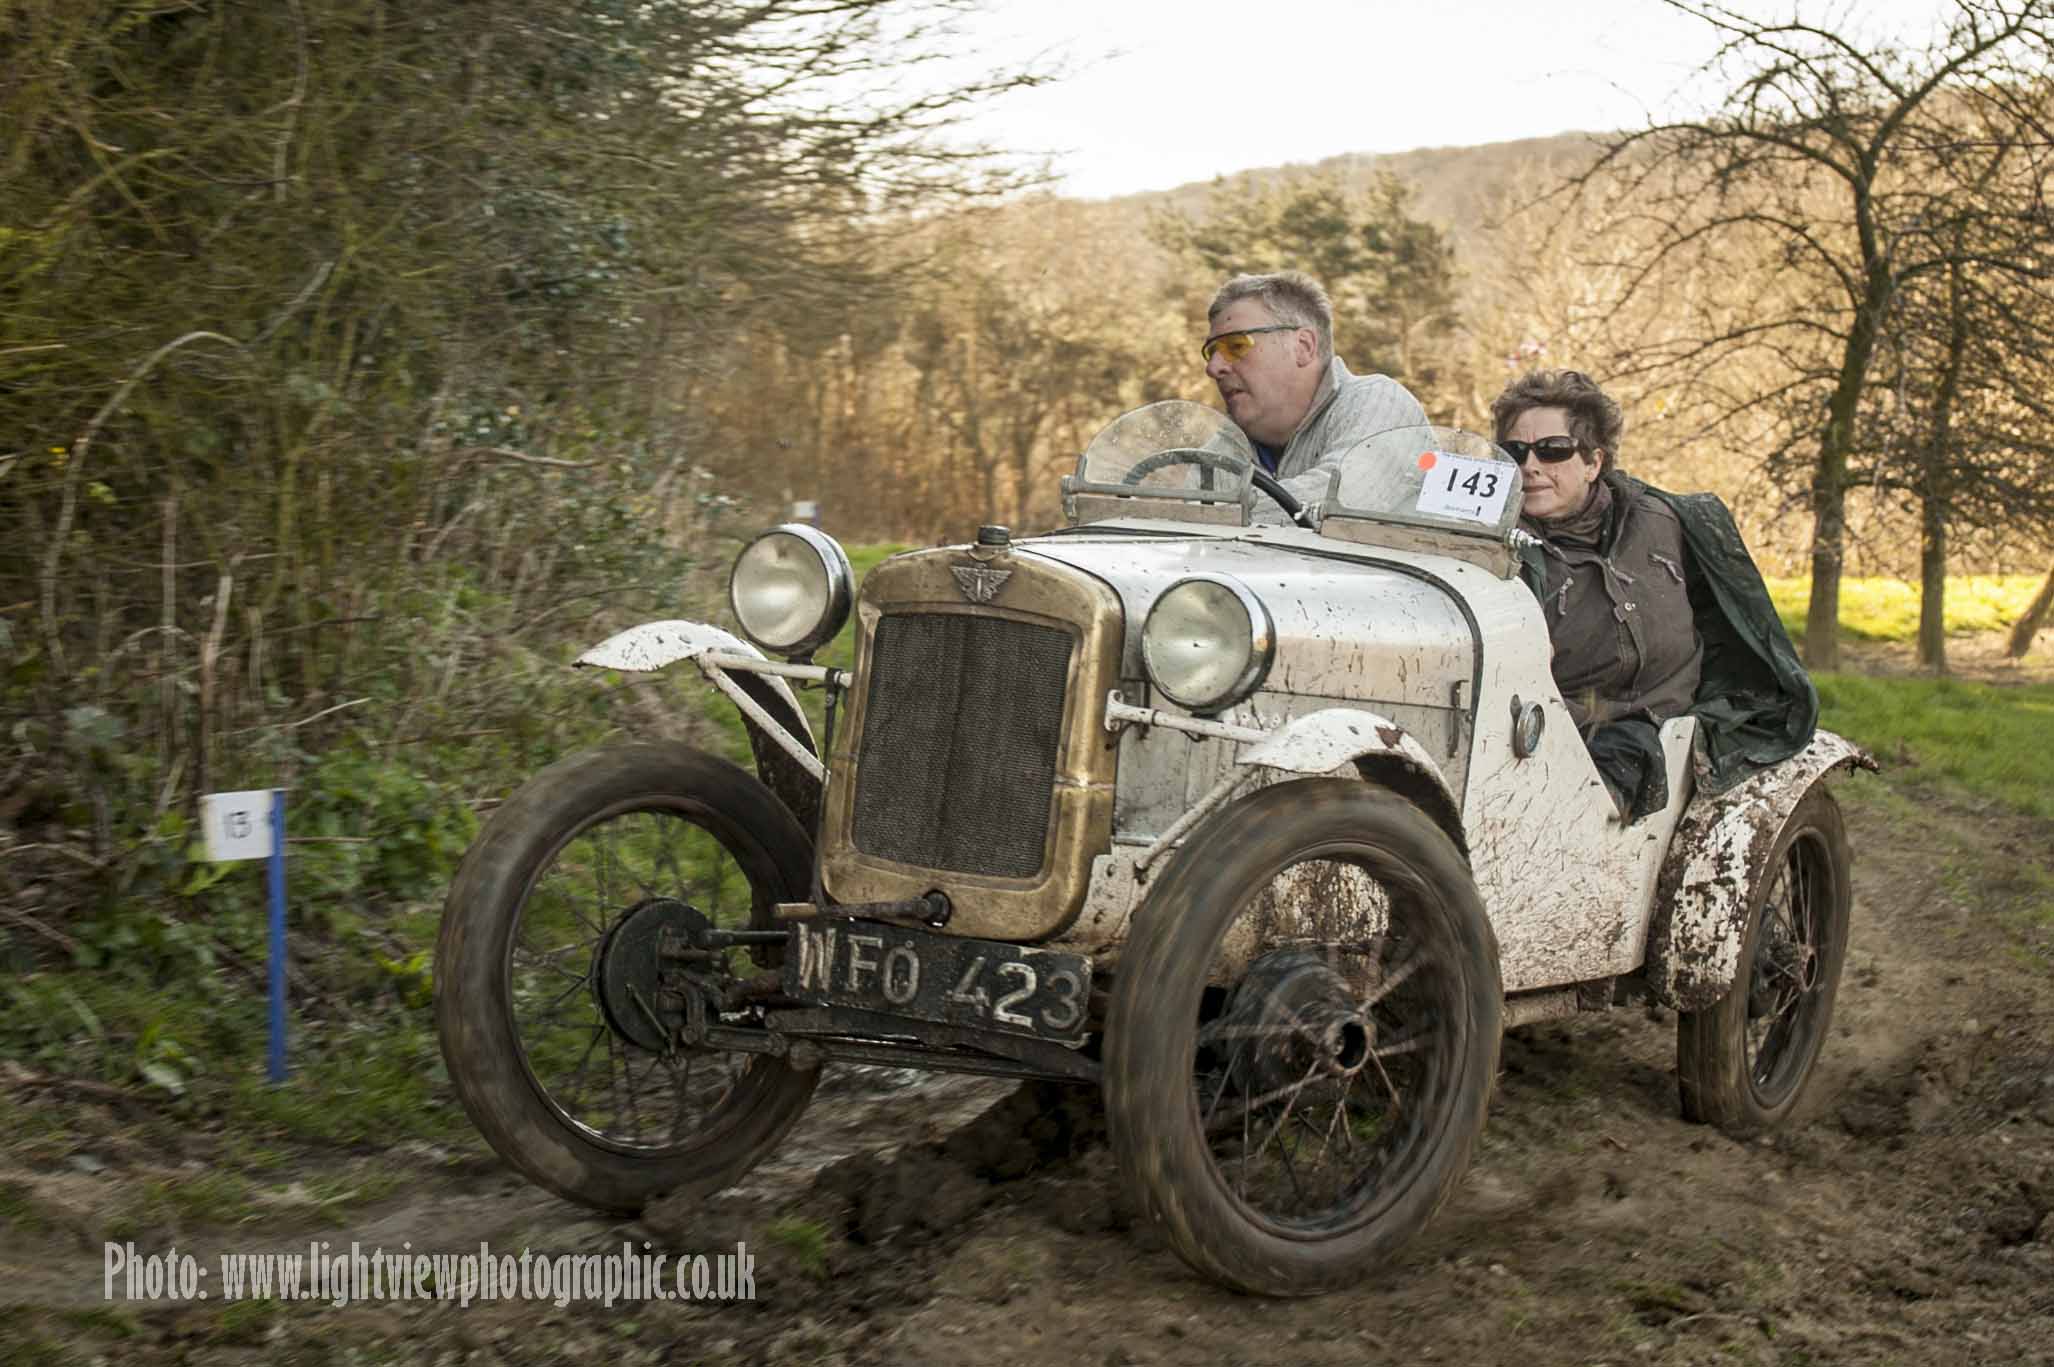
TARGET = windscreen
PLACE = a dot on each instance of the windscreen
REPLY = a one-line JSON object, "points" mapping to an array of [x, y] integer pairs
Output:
{"points": [[1429, 477], [1175, 449]]}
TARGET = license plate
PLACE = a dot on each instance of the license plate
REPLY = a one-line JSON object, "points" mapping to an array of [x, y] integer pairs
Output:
{"points": [[944, 978]]}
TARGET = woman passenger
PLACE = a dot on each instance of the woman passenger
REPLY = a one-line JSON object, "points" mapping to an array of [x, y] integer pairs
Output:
{"points": [[1615, 579]]}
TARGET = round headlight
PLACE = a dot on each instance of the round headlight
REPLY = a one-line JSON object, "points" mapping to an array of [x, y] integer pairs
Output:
{"points": [[790, 589], [1207, 642]]}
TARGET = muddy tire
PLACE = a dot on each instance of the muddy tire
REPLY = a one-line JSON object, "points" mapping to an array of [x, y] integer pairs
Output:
{"points": [[557, 1036], [1743, 1063], [1303, 1036]]}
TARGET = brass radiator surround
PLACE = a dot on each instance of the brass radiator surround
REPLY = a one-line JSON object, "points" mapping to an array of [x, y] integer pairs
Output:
{"points": [[1036, 591]]}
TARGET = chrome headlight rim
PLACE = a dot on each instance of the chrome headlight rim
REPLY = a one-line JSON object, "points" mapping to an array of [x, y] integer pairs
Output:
{"points": [[838, 592], [1262, 647]]}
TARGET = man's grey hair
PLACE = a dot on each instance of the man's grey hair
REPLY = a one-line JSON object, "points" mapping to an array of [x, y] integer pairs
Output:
{"points": [[1292, 298]]}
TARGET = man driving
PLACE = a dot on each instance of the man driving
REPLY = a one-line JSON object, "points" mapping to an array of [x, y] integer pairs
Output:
{"points": [[1270, 352]]}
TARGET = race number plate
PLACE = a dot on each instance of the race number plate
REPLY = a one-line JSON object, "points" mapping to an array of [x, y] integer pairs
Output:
{"points": [[1462, 486], [905, 972]]}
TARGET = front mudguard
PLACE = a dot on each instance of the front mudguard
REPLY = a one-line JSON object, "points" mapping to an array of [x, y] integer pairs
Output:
{"points": [[1336, 741], [654, 646], [1377, 748], [1716, 860]]}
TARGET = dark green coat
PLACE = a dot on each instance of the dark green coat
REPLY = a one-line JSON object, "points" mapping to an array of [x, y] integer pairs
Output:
{"points": [[1755, 704]]}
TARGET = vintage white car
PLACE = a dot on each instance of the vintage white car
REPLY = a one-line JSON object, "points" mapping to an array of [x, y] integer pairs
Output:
{"points": [[1269, 831]]}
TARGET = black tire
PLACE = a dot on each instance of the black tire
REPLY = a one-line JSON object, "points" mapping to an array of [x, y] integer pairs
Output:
{"points": [[1743, 1063], [555, 870], [1235, 1001]]}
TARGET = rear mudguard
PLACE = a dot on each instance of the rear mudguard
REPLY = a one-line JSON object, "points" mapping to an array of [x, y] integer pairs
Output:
{"points": [[657, 645], [1716, 859]]}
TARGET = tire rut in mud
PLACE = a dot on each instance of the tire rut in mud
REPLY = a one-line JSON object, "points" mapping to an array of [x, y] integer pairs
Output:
{"points": [[868, 1234]]}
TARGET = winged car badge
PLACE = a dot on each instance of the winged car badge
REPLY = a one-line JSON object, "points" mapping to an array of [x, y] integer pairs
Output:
{"points": [[979, 583]]}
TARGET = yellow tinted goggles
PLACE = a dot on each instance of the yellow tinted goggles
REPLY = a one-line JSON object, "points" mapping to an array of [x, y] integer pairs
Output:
{"points": [[1235, 345]]}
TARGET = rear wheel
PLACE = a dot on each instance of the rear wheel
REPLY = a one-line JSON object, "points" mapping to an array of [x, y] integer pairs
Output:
{"points": [[560, 997], [1303, 1037], [1743, 1063]]}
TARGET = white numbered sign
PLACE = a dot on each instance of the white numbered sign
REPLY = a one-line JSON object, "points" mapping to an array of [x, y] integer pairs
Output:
{"points": [[1463, 486], [238, 825]]}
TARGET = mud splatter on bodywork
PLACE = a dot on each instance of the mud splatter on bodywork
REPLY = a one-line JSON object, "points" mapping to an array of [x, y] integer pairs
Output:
{"points": [[1715, 862]]}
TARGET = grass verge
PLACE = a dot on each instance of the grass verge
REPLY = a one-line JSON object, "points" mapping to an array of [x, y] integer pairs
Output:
{"points": [[1978, 740], [1976, 748], [1887, 609]]}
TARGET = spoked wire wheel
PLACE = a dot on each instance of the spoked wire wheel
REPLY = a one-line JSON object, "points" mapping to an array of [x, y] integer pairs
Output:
{"points": [[566, 977], [1786, 980], [1743, 1063], [1303, 1036], [595, 1018]]}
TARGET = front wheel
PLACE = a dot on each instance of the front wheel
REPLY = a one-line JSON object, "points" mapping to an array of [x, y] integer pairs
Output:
{"points": [[561, 999], [1742, 1063], [1303, 1037]]}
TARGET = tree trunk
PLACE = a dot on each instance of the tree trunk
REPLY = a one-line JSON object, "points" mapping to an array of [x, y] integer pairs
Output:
{"points": [[1829, 480], [1934, 509], [2028, 626], [1932, 607], [1822, 615], [1829, 505]]}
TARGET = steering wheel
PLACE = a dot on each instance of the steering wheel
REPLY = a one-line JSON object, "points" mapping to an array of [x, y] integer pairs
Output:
{"points": [[1209, 462]]}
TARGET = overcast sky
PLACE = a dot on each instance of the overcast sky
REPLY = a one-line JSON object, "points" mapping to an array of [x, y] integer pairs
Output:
{"points": [[1170, 91]]}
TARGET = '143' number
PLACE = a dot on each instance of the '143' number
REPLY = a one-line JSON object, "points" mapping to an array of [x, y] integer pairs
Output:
{"points": [[1480, 484]]}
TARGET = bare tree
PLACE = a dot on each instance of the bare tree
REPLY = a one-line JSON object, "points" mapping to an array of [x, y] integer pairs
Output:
{"points": [[1822, 151], [1958, 421]]}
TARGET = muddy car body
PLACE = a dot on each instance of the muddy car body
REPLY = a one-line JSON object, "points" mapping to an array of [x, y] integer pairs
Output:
{"points": [[1266, 827]]}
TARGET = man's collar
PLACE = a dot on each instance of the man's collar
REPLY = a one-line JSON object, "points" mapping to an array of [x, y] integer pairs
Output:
{"points": [[1329, 386]]}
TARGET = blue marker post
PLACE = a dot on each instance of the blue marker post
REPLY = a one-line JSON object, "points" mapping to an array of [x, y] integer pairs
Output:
{"points": [[237, 827], [277, 881]]}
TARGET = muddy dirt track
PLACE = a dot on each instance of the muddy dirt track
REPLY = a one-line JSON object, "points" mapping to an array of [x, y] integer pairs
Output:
{"points": [[1905, 1218]]}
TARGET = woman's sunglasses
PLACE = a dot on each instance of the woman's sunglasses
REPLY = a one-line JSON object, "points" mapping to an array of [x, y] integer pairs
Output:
{"points": [[1549, 450], [1235, 345]]}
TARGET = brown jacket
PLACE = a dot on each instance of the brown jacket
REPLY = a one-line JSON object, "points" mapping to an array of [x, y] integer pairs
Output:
{"points": [[1618, 608]]}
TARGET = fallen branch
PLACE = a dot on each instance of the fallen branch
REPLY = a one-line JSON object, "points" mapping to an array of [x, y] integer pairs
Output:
{"points": [[55, 937], [295, 725], [505, 454], [79, 856], [24, 1080]]}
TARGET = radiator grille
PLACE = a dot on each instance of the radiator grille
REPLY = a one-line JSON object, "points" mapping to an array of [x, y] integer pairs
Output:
{"points": [[957, 764]]}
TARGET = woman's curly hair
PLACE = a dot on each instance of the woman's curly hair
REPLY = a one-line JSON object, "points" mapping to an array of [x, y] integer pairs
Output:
{"points": [[1594, 419]]}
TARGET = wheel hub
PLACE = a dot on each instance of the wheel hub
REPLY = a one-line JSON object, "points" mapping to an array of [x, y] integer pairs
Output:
{"points": [[1291, 1019], [644, 996], [1782, 966]]}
